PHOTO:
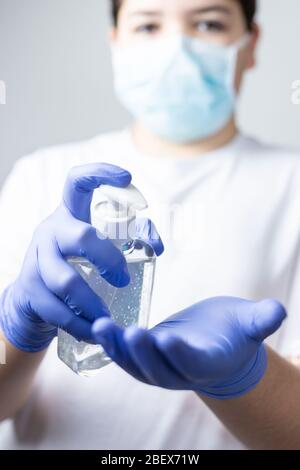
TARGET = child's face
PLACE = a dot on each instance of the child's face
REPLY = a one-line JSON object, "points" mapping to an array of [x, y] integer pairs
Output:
{"points": [[216, 21]]}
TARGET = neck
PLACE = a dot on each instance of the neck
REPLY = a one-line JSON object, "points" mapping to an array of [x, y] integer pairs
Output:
{"points": [[150, 144]]}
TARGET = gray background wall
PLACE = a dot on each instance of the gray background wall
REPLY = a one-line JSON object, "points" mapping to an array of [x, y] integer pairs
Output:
{"points": [[55, 62]]}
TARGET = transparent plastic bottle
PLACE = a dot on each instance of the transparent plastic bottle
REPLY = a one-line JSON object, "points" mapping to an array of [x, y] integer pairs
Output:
{"points": [[129, 305]]}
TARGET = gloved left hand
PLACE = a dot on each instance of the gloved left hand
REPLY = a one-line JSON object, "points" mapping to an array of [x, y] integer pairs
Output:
{"points": [[49, 293], [214, 347]]}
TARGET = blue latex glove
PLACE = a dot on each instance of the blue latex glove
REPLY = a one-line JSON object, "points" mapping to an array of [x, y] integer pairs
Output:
{"points": [[214, 347], [49, 293]]}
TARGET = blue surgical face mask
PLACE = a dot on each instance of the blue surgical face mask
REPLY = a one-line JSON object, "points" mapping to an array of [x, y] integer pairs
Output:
{"points": [[180, 88]]}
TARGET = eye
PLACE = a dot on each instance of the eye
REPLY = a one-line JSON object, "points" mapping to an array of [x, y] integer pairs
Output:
{"points": [[210, 26], [148, 28]]}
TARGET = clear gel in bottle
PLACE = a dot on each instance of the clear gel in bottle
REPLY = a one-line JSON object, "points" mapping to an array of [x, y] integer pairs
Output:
{"points": [[130, 305]]}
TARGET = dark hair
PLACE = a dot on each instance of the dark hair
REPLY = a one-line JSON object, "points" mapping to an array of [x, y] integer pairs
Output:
{"points": [[248, 7]]}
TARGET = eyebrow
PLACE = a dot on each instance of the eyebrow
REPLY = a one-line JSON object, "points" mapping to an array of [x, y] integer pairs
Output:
{"points": [[211, 8], [145, 13], [199, 11]]}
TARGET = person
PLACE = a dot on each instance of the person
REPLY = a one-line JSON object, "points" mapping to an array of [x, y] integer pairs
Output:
{"points": [[226, 207]]}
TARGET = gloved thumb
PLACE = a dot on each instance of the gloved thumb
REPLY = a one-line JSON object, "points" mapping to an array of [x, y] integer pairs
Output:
{"points": [[262, 319]]}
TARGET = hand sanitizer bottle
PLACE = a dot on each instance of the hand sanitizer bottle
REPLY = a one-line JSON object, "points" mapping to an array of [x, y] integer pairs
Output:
{"points": [[130, 305]]}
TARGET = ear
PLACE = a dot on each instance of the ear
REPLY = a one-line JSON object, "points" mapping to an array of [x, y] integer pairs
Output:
{"points": [[255, 36]]}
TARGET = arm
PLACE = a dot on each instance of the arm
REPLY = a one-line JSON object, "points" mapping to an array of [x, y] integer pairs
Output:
{"points": [[268, 417], [16, 377], [49, 293], [216, 348]]}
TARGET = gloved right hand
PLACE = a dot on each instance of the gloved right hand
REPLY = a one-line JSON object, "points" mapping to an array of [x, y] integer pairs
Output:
{"points": [[49, 293], [215, 347]]}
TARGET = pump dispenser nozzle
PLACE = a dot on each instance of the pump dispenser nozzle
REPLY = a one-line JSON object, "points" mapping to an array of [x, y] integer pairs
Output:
{"points": [[113, 217]]}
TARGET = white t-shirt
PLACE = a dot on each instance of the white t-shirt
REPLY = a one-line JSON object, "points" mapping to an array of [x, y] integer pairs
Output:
{"points": [[236, 232]]}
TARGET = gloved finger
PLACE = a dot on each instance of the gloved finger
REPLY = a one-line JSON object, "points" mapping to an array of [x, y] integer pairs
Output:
{"points": [[67, 284], [83, 180], [54, 312], [83, 241], [191, 363], [142, 348], [147, 232], [111, 337], [261, 319]]}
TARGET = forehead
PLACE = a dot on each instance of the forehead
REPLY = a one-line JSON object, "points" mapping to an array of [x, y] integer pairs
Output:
{"points": [[176, 5]]}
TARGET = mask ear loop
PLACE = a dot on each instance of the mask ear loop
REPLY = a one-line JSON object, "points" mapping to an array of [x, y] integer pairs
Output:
{"points": [[233, 52], [242, 42]]}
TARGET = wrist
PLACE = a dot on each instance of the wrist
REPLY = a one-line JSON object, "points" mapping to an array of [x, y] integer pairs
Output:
{"points": [[243, 382], [27, 332]]}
